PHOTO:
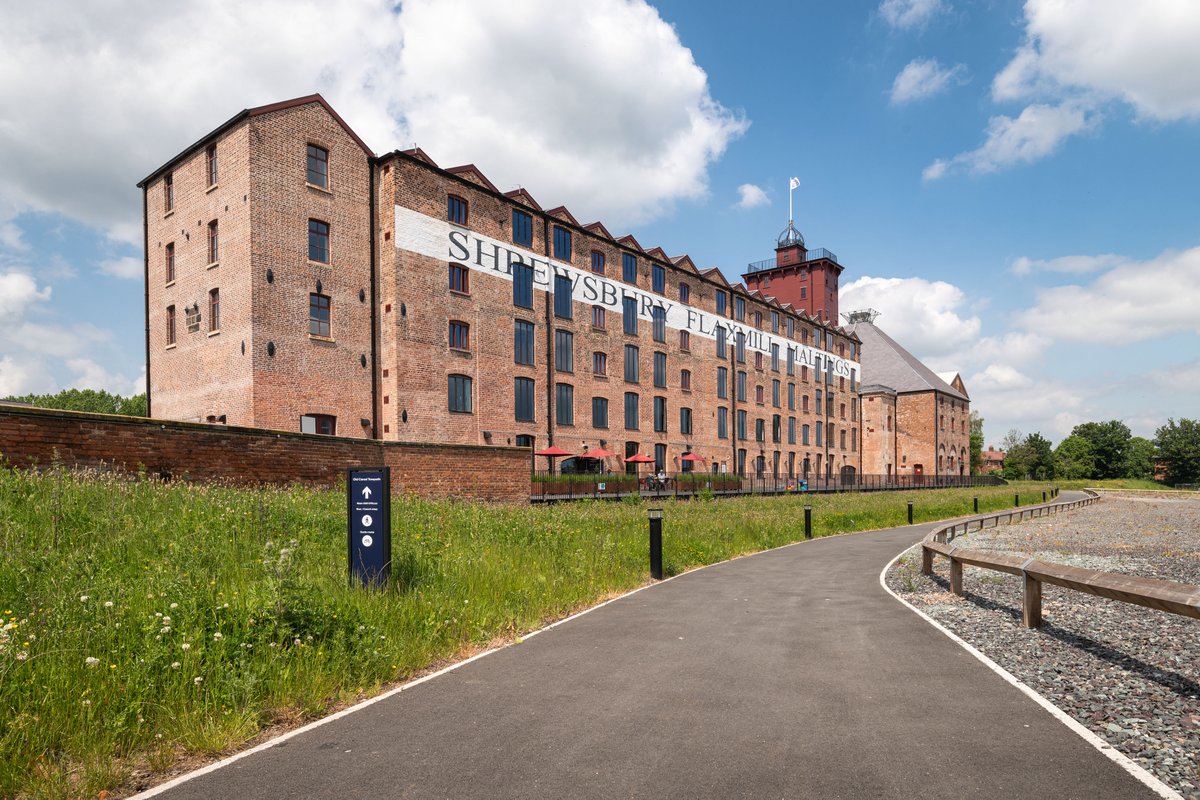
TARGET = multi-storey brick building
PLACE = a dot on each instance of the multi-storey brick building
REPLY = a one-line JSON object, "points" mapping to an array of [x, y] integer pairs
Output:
{"points": [[331, 290]]}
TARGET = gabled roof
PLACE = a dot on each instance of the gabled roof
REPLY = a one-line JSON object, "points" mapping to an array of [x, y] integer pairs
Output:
{"points": [[255, 112], [599, 229], [685, 262], [470, 170], [885, 362], [421, 155], [523, 196], [561, 213], [659, 253], [630, 242], [715, 274]]}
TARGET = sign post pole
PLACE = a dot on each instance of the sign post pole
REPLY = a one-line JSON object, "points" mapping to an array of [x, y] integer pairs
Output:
{"points": [[369, 525]]}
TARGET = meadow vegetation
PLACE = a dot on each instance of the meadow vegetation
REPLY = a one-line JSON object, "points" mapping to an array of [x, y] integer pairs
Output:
{"points": [[147, 622]]}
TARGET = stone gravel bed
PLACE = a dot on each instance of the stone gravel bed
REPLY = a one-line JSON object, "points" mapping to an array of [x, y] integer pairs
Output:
{"points": [[1130, 674]]}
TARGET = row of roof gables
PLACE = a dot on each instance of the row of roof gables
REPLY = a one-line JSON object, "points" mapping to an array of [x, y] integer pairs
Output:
{"points": [[561, 213], [684, 262]]}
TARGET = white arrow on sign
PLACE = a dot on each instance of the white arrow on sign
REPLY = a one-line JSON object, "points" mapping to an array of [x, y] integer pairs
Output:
{"points": [[366, 492]]}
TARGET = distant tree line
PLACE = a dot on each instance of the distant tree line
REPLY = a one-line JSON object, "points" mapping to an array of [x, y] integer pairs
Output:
{"points": [[92, 400], [1100, 450]]}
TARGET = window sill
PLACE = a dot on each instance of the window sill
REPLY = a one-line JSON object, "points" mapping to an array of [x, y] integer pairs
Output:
{"points": [[599, 377], [211, 188], [321, 189], [456, 292], [168, 284], [213, 265], [324, 264], [599, 330], [315, 338], [170, 347], [214, 333], [460, 352], [170, 213]]}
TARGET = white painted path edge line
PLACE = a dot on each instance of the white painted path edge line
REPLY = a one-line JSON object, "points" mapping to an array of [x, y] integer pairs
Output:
{"points": [[1122, 760]]}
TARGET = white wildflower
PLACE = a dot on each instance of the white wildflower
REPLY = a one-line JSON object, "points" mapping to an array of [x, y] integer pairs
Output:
{"points": [[174, 665], [217, 636], [165, 629], [91, 661], [108, 603], [83, 598], [166, 620], [197, 680], [186, 646], [21, 656], [174, 605]]}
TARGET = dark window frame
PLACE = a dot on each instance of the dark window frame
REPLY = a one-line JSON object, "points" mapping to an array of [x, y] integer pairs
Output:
{"points": [[318, 241], [461, 395], [460, 335], [458, 209], [316, 166], [320, 313]]}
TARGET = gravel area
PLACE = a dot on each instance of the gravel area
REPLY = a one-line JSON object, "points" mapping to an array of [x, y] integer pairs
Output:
{"points": [[1130, 674]]}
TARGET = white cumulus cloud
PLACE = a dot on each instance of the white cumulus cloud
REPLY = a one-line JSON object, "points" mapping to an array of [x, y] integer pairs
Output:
{"points": [[127, 267], [1069, 264], [751, 196], [910, 13], [924, 77], [924, 316]]}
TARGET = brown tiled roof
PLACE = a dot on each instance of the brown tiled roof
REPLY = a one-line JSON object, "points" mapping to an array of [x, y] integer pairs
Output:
{"points": [[886, 363]]}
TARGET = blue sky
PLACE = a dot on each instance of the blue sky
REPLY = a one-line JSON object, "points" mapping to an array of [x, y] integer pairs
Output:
{"points": [[1011, 184]]}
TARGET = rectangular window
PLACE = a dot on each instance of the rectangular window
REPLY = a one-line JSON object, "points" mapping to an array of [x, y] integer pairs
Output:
{"points": [[739, 309], [459, 393], [758, 360], [169, 265], [721, 344], [598, 262], [721, 302], [658, 315], [192, 318], [598, 317], [739, 339], [758, 319], [829, 404], [660, 457], [522, 228], [523, 342], [562, 296], [460, 280], [804, 434], [599, 412], [774, 355], [523, 399], [456, 209], [775, 393], [318, 241], [685, 380], [791, 397], [629, 267], [854, 440], [820, 405], [564, 404], [685, 293], [818, 434], [758, 395], [599, 363], [685, 341], [685, 421], [791, 430], [723, 382], [774, 322], [214, 243], [317, 173], [791, 328], [631, 363], [660, 370], [319, 316], [658, 279], [722, 422], [168, 193], [631, 411], [170, 325], [842, 438], [213, 173], [741, 386], [562, 243], [805, 404], [214, 310], [854, 409], [741, 425], [324, 424], [629, 315], [460, 335], [564, 351], [791, 360], [776, 429], [522, 285], [660, 414]]}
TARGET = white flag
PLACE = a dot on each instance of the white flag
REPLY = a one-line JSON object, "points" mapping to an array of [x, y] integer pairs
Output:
{"points": [[795, 184]]}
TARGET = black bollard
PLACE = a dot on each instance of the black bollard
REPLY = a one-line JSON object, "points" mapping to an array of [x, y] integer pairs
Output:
{"points": [[910, 512], [1017, 500], [976, 504], [808, 522], [655, 515], [1043, 497]]}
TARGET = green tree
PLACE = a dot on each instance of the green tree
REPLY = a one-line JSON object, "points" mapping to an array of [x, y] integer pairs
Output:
{"points": [[1110, 446], [1139, 461], [1179, 446], [1018, 457], [91, 400], [1041, 456], [976, 442], [1073, 459]]}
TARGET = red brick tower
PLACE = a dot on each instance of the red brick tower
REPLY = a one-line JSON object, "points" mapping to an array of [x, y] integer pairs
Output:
{"points": [[808, 279]]}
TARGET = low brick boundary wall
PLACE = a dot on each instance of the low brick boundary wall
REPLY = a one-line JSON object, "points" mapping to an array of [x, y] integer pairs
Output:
{"points": [[192, 451]]}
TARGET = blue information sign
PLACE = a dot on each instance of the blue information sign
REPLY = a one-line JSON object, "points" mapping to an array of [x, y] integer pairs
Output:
{"points": [[369, 508]]}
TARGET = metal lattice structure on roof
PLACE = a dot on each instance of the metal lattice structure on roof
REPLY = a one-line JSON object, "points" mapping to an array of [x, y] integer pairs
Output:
{"points": [[861, 315], [790, 236]]}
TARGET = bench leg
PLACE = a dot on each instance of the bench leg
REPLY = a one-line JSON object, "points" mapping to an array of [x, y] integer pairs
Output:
{"points": [[956, 576], [926, 561], [1031, 611]]}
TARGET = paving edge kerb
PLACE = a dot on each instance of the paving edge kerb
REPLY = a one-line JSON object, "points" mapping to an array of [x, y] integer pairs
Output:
{"points": [[1119, 758]]}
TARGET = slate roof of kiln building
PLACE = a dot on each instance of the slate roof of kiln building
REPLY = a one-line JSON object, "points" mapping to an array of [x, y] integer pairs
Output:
{"points": [[885, 362]]}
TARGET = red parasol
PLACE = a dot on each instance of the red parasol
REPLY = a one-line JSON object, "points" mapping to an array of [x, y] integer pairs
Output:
{"points": [[597, 452], [692, 457], [552, 452], [639, 458]]}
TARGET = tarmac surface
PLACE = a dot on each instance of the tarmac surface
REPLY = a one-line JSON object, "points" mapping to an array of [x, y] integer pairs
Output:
{"points": [[787, 674]]}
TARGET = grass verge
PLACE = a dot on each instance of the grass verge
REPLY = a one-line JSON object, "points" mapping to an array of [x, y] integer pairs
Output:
{"points": [[146, 623]]}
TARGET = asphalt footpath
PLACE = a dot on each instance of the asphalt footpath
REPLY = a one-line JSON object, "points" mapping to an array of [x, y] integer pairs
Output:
{"points": [[787, 674]]}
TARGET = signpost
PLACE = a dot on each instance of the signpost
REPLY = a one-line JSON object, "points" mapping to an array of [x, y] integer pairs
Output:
{"points": [[369, 512]]}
